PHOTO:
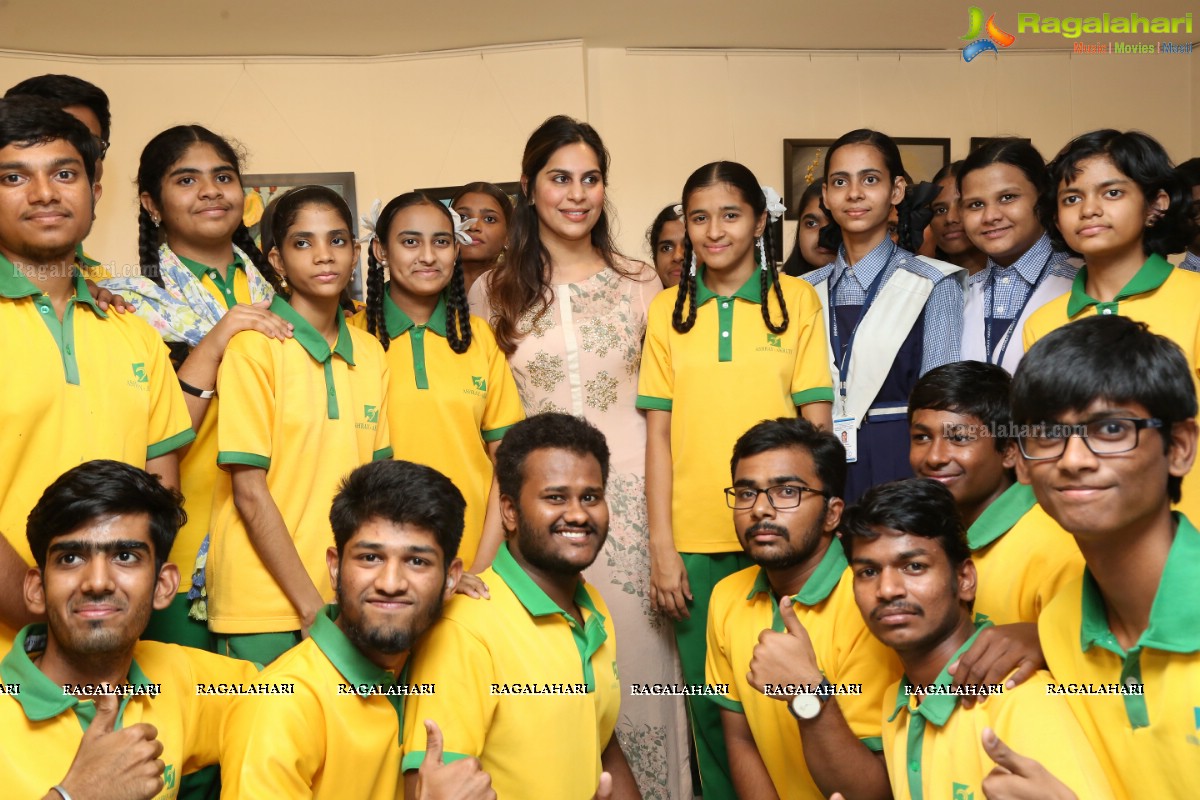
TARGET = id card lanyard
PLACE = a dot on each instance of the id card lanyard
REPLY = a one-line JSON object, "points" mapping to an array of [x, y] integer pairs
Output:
{"points": [[834, 336], [989, 318]]}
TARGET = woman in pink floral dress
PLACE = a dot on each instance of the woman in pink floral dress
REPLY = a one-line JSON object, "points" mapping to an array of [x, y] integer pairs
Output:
{"points": [[571, 313]]}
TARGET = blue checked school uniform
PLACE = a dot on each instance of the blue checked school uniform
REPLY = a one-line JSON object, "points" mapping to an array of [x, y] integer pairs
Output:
{"points": [[912, 324], [1191, 262]]}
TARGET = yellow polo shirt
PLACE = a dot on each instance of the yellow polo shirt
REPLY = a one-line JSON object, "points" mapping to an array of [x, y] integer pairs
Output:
{"points": [[43, 726], [445, 407], [1148, 744], [534, 697], [1022, 556], [332, 738], [96, 385], [198, 471], [934, 749], [307, 415], [742, 606], [720, 378], [1165, 298]]}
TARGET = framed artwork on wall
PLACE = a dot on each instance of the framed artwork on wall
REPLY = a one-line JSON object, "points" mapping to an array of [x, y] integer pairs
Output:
{"points": [[261, 189]]}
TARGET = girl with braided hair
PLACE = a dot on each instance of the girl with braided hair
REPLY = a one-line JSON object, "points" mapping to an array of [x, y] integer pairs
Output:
{"points": [[202, 281], [452, 393], [891, 315], [734, 343]]}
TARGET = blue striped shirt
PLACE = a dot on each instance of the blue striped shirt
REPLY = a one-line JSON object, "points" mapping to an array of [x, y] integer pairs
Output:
{"points": [[1016, 282]]}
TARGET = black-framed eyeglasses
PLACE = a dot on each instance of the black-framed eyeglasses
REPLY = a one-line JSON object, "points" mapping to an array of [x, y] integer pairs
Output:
{"points": [[1104, 437], [103, 145], [781, 497]]}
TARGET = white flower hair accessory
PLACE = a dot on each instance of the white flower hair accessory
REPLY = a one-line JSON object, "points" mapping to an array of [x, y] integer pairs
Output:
{"points": [[775, 206], [369, 222], [461, 225], [678, 209]]}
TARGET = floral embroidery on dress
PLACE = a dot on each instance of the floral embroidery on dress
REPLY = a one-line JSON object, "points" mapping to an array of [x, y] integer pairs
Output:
{"points": [[546, 371], [536, 321], [601, 391], [599, 336], [645, 750]]}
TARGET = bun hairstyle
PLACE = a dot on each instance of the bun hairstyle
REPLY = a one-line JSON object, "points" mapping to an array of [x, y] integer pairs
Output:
{"points": [[1145, 162], [158, 156], [458, 315], [742, 179], [831, 235]]}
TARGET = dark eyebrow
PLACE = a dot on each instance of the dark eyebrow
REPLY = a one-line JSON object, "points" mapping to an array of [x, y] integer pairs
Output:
{"points": [[421, 233], [76, 546], [55, 164], [193, 171], [775, 481], [378, 546], [914, 553], [867, 171], [865, 562]]}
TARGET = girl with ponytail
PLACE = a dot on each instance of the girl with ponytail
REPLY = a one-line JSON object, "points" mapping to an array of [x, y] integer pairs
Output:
{"points": [[735, 343], [891, 315], [452, 395], [202, 281]]}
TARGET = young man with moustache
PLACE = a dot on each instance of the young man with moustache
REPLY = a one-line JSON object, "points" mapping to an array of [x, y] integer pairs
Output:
{"points": [[961, 436], [1111, 407], [89, 104], [914, 583], [88, 709], [84, 383], [783, 631], [527, 680], [396, 528]]}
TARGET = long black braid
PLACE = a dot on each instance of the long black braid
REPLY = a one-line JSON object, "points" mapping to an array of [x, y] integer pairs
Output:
{"points": [[687, 291], [458, 314], [375, 291], [148, 243], [770, 276], [245, 242]]}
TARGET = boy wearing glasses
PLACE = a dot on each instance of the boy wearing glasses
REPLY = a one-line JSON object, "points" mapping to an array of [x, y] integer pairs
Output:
{"points": [[806, 719], [1109, 409]]}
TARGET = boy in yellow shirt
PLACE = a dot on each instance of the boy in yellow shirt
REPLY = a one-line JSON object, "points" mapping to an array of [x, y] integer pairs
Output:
{"points": [[88, 709], [914, 583], [1108, 409]]}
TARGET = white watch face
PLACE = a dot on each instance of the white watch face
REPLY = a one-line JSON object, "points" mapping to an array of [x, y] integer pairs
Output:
{"points": [[806, 706]]}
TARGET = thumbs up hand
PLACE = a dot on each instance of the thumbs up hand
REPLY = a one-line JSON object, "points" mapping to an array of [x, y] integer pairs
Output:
{"points": [[463, 779], [783, 658], [1016, 777], [115, 764]]}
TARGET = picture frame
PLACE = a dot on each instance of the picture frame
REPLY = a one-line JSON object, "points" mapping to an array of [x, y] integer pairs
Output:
{"points": [[260, 189], [804, 162]]}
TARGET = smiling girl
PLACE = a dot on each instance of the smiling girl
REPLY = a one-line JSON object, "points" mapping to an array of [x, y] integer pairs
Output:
{"points": [[570, 312], [1115, 199], [999, 185], [891, 316], [452, 393], [308, 410], [488, 209]]}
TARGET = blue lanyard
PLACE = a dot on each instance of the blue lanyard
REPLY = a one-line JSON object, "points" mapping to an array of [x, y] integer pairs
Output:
{"points": [[989, 317], [834, 339]]}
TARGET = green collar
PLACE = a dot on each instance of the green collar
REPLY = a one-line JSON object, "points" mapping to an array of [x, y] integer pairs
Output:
{"points": [[750, 291], [14, 284], [1149, 277], [1175, 613], [535, 600], [83, 258], [41, 698], [355, 667], [398, 322], [1000, 517], [312, 341], [818, 586], [200, 270], [936, 708]]}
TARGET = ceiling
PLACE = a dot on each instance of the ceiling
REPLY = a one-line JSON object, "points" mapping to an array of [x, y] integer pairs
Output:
{"points": [[386, 27]]}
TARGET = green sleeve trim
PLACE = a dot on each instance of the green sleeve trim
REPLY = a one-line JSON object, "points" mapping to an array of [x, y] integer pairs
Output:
{"points": [[726, 703], [496, 434], [873, 743], [659, 404], [382, 455], [413, 760], [226, 457], [171, 444], [819, 394]]}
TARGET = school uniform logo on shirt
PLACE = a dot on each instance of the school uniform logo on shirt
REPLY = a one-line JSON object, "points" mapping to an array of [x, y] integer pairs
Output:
{"points": [[961, 791], [169, 776], [371, 415], [994, 37], [479, 386], [139, 372], [775, 345]]}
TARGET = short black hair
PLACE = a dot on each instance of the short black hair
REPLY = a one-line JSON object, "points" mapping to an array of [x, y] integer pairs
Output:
{"points": [[66, 91], [970, 388], [26, 121], [1189, 171], [105, 488], [1144, 161], [549, 431], [917, 506], [403, 493], [1107, 357], [828, 454]]}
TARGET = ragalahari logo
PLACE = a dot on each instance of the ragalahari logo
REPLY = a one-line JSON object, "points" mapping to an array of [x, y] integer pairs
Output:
{"points": [[994, 37]]}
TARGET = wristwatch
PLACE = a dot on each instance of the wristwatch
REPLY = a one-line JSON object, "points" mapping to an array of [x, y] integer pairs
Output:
{"points": [[807, 705]]}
